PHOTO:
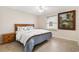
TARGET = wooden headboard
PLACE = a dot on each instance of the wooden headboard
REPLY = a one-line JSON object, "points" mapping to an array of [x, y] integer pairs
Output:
{"points": [[22, 25]]}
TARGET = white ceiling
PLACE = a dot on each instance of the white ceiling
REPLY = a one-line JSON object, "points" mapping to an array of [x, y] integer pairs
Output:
{"points": [[50, 9]]}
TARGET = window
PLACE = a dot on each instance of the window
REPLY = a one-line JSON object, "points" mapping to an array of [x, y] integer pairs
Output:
{"points": [[52, 23]]}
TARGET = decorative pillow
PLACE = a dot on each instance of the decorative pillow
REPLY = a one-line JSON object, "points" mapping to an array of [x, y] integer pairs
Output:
{"points": [[31, 28], [27, 28]]}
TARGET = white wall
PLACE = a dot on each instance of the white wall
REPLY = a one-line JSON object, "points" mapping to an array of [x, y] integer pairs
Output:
{"points": [[66, 34], [41, 22], [9, 17]]}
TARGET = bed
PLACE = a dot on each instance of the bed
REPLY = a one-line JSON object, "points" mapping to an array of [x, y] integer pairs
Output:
{"points": [[32, 37]]}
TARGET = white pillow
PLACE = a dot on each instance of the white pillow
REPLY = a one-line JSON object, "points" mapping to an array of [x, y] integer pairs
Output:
{"points": [[27, 28], [19, 28]]}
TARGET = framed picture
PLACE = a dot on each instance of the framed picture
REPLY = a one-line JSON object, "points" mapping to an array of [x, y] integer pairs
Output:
{"points": [[66, 20]]}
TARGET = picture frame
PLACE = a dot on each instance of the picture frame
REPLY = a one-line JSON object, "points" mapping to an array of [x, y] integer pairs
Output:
{"points": [[67, 20]]}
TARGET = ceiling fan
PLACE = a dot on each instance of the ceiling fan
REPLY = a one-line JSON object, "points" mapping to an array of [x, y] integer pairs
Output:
{"points": [[41, 8]]}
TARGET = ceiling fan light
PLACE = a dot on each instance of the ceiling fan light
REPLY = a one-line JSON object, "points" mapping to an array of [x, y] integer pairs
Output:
{"points": [[41, 8]]}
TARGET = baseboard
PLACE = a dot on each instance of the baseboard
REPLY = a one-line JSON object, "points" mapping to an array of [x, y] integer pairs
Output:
{"points": [[66, 38], [69, 39]]}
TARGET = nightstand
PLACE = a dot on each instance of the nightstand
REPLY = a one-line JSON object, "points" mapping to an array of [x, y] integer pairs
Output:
{"points": [[9, 37]]}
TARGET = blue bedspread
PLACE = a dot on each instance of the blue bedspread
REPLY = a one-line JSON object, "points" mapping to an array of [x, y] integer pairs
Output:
{"points": [[36, 40]]}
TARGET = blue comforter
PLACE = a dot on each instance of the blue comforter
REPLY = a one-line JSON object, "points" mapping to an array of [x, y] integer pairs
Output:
{"points": [[36, 40]]}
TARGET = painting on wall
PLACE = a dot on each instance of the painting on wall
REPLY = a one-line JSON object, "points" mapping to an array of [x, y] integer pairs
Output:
{"points": [[66, 20]]}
